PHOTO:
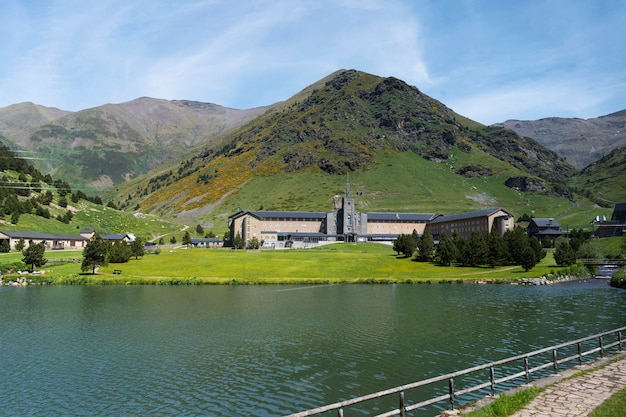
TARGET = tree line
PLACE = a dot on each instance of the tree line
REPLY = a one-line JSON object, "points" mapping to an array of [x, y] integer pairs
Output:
{"points": [[100, 252], [28, 194], [514, 247]]}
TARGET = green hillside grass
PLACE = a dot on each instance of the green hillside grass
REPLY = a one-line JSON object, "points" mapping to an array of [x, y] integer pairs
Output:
{"points": [[87, 215], [404, 182], [604, 180], [337, 263]]}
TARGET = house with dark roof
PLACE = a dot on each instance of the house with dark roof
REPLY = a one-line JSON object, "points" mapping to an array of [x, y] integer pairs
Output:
{"points": [[546, 230], [117, 237], [50, 241], [208, 242], [484, 221]]}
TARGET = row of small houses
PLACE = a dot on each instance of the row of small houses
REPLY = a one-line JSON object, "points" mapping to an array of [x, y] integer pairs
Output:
{"points": [[78, 242], [59, 241]]}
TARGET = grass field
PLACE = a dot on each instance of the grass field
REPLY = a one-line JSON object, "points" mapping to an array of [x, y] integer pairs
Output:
{"points": [[337, 263]]}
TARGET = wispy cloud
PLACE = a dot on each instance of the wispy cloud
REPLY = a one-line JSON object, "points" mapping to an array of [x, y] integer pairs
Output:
{"points": [[488, 60]]}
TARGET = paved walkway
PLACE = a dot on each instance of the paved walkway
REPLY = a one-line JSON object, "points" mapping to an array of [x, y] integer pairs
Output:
{"points": [[580, 395], [568, 396]]}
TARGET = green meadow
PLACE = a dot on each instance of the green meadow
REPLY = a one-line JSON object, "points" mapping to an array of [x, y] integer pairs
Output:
{"points": [[336, 263]]}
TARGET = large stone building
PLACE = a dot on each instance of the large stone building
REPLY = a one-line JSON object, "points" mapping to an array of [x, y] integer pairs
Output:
{"points": [[345, 223], [483, 221]]}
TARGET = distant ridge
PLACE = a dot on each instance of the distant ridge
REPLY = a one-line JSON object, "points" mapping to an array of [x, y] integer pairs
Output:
{"points": [[580, 141], [100, 147]]}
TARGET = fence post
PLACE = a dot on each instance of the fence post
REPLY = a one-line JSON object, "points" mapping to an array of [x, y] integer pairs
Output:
{"points": [[580, 354], [451, 387], [526, 371], [402, 410], [556, 362], [492, 376], [340, 412], [619, 340], [601, 346]]}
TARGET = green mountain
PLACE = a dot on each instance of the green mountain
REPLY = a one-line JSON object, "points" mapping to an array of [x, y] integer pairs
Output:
{"points": [[401, 150], [604, 181], [95, 149], [33, 202]]}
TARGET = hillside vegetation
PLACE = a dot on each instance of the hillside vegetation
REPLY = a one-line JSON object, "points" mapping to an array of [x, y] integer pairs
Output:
{"points": [[605, 180], [32, 202], [96, 148], [197, 163], [299, 154]]}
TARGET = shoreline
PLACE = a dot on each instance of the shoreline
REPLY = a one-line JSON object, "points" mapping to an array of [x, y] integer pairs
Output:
{"points": [[25, 280]]}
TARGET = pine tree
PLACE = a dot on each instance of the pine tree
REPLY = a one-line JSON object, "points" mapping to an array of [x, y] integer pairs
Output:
{"points": [[477, 250], [238, 242], [187, 239], [528, 258], [564, 255], [119, 252], [446, 251], [426, 246], [95, 254], [496, 249], [34, 255], [137, 248]]}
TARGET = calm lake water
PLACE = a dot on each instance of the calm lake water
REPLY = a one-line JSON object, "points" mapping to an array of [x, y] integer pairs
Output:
{"points": [[267, 350]]}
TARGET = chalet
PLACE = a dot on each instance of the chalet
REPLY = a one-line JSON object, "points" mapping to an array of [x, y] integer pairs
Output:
{"points": [[546, 230], [482, 221], [50, 241]]}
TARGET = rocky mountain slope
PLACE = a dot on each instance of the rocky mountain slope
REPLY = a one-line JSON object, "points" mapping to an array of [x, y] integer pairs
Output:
{"points": [[580, 141], [343, 125], [96, 148]]}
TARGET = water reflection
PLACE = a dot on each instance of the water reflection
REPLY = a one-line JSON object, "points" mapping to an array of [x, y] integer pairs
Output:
{"points": [[268, 350]]}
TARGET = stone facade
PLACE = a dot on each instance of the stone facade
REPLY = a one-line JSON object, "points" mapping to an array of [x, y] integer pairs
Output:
{"points": [[345, 223]]}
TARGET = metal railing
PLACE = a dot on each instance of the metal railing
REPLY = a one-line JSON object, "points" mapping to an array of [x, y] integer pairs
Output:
{"points": [[522, 369]]}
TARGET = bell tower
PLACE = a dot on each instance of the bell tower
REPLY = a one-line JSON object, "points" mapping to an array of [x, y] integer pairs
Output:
{"points": [[348, 218]]}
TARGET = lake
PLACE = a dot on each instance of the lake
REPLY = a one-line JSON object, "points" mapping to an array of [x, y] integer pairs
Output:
{"points": [[267, 350]]}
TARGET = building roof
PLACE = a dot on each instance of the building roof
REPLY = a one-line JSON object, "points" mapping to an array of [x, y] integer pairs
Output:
{"points": [[619, 213], [470, 215], [281, 214], [41, 236], [412, 217], [114, 236], [543, 223], [198, 240], [549, 232]]}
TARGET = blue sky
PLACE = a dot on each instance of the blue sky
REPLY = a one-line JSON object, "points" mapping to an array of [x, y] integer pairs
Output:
{"points": [[488, 60]]}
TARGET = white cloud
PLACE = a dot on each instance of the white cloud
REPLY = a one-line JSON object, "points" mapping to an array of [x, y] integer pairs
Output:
{"points": [[488, 60]]}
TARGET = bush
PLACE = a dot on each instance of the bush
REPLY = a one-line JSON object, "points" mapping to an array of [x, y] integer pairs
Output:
{"points": [[619, 279]]}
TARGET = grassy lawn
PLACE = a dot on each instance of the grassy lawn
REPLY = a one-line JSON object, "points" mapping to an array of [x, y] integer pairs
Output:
{"points": [[506, 405], [614, 406], [344, 262]]}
